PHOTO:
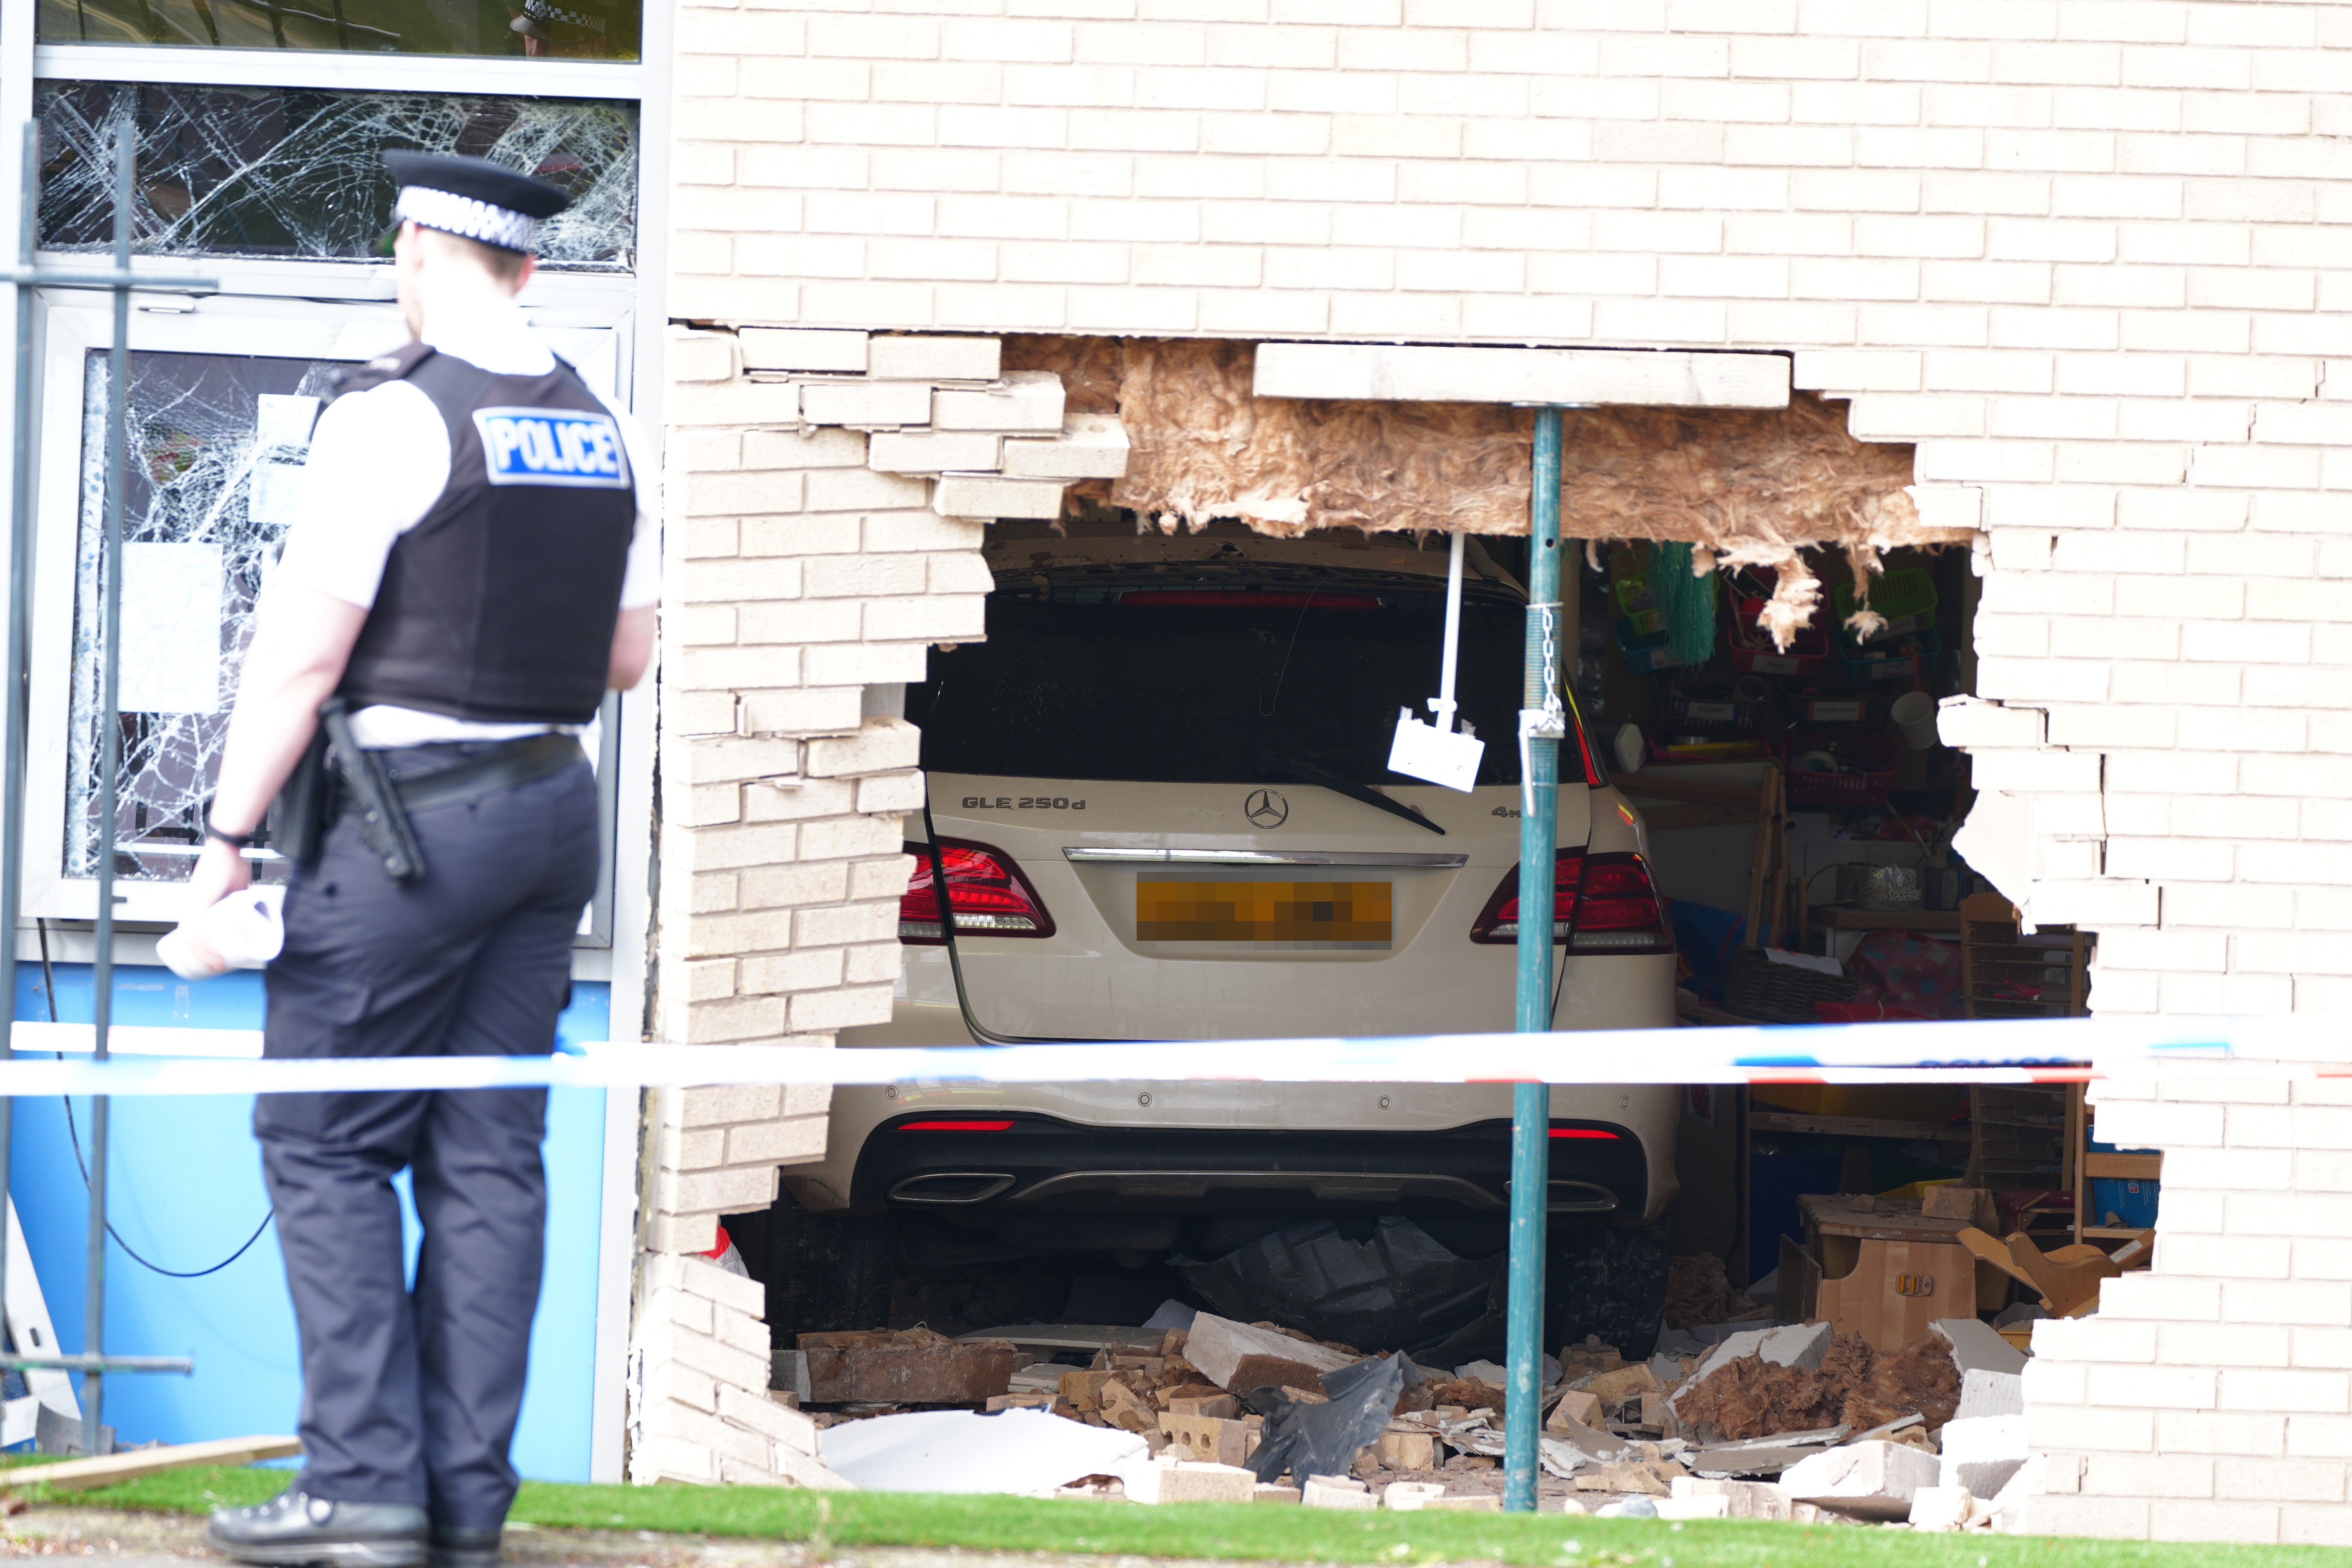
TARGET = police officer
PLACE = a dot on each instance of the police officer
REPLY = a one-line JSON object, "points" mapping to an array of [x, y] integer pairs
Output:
{"points": [[469, 572]]}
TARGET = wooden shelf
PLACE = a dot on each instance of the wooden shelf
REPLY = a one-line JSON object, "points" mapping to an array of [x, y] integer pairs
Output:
{"points": [[2122, 1167], [2115, 1233], [1856, 1127], [1842, 917]]}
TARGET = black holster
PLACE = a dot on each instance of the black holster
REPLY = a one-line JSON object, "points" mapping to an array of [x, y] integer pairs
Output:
{"points": [[304, 809], [369, 788]]}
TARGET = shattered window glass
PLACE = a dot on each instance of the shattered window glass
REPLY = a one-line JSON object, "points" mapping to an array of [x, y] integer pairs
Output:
{"points": [[217, 443], [298, 173], [553, 29]]}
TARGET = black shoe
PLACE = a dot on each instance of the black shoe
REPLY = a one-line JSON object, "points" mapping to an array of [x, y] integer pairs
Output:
{"points": [[295, 1529], [461, 1546]]}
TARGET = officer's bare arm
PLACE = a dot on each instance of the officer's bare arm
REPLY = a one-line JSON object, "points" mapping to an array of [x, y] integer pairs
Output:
{"points": [[301, 640], [633, 647]]}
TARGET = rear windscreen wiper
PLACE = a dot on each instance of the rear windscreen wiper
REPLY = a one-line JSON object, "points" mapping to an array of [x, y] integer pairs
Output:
{"points": [[1340, 783]]}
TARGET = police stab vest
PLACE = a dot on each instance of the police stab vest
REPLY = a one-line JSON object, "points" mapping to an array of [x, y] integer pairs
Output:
{"points": [[500, 604]]}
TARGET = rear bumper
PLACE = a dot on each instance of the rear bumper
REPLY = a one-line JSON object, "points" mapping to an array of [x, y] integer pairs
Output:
{"points": [[1033, 1164]]}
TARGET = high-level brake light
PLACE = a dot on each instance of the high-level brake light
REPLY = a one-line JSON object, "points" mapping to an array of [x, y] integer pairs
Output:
{"points": [[985, 890], [1600, 903], [1003, 1126]]}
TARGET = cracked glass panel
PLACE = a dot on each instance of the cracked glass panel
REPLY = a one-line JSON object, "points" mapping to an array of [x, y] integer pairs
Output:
{"points": [[299, 172], [551, 29], [217, 442]]}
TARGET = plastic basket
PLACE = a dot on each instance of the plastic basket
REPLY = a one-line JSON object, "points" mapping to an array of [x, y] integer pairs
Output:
{"points": [[1756, 987], [1902, 659], [1865, 775], [1752, 652], [1645, 653], [1904, 599]]}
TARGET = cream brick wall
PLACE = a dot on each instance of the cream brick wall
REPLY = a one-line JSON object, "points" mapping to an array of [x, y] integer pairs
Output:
{"points": [[815, 551], [2092, 257], [2211, 1398]]}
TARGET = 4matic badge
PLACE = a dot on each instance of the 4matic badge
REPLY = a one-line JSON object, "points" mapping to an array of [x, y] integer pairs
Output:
{"points": [[1267, 809]]}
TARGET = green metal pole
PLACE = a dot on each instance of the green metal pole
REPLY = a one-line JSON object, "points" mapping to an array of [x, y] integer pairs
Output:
{"points": [[1541, 726]]}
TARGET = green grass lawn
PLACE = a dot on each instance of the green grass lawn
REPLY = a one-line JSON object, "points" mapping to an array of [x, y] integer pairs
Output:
{"points": [[1233, 1532]]}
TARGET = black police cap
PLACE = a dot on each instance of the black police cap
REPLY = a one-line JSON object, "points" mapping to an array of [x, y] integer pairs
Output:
{"points": [[472, 196]]}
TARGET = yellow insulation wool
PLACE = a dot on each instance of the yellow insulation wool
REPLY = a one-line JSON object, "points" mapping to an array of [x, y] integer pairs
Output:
{"points": [[1744, 487]]}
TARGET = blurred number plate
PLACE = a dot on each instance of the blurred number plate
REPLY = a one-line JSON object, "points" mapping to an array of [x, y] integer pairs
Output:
{"points": [[1291, 914]]}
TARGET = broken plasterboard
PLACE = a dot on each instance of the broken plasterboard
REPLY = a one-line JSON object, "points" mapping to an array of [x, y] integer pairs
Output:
{"points": [[958, 1451]]}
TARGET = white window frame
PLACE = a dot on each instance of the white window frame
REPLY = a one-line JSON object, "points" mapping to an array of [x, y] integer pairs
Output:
{"points": [[70, 328], [620, 306]]}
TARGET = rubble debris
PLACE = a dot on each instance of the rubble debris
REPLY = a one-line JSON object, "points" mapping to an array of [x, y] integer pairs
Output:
{"points": [[1209, 1439], [1168, 1480], [1020, 1402], [1411, 1496], [1406, 1447], [1577, 1407], [1048, 1339], [1467, 1393], [1742, 1500], [960, 1451], [1242, 1358], [1322, 1439], [908, 1366], [1982, 1452], [1263, 1492], [1651, 1478], [1862, 1480], [1942, 1510], [1990, 1393], [1337, 1491], [1691, 1508], [1975, 1346], [1698, 1292], [1466, 1502], [1747, 1398], [1037, 1377]]}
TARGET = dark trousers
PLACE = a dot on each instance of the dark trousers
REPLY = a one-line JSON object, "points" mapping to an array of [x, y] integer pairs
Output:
{"points": [[410, 1396]]}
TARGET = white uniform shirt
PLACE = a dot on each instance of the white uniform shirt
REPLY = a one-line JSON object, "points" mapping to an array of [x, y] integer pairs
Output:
{"points": [[380, 459]]}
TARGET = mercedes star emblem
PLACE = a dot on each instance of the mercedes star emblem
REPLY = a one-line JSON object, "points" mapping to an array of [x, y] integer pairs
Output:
{"points": [[1267, 809]]}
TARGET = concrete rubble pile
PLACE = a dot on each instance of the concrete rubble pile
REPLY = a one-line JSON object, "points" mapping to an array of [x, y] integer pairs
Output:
{"points": [[1786, 1422]]}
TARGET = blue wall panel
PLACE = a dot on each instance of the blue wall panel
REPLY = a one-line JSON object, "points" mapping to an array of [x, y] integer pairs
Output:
{"points": [[185, 1190]]}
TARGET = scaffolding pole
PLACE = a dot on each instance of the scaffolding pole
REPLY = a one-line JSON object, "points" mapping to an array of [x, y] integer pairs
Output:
{"points": [[92, 1361], [1542, 726]]}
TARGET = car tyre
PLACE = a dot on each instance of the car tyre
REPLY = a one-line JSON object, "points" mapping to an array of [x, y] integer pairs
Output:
{"points": [[826, 1272], [1608, 1280]]}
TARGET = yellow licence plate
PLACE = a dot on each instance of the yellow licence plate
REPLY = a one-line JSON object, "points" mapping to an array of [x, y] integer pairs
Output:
{"points": [[1353, 914]]}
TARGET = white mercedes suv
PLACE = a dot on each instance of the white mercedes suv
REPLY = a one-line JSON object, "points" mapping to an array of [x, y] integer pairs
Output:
{"points": [[1159, 804]]}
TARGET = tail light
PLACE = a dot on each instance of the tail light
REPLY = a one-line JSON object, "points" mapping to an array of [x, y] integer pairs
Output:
{"points": [[986, 893], [1600, 903]]}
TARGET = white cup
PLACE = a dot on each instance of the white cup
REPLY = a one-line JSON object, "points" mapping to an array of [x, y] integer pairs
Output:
{"points": [[243, 930], [1915, 714]]}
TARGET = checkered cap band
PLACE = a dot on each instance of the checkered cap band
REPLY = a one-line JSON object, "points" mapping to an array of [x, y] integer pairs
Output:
{"points": [[474, 219], [548, 11]]}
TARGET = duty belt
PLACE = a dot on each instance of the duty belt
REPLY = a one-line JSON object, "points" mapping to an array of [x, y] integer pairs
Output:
{"points": [[502, 767]]}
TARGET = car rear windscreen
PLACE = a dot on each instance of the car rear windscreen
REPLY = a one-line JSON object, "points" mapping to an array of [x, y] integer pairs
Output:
{"points": [[1217, 685]]}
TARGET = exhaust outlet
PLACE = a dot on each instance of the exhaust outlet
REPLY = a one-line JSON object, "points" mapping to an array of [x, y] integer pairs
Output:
{"points": [[950, 1188]]}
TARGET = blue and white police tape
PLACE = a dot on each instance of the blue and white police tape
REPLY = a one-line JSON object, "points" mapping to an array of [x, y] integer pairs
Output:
{"points": [[167, 1062]]}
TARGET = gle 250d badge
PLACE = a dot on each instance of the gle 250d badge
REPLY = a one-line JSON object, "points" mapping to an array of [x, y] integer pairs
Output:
{"points": [[1267, 809]]}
